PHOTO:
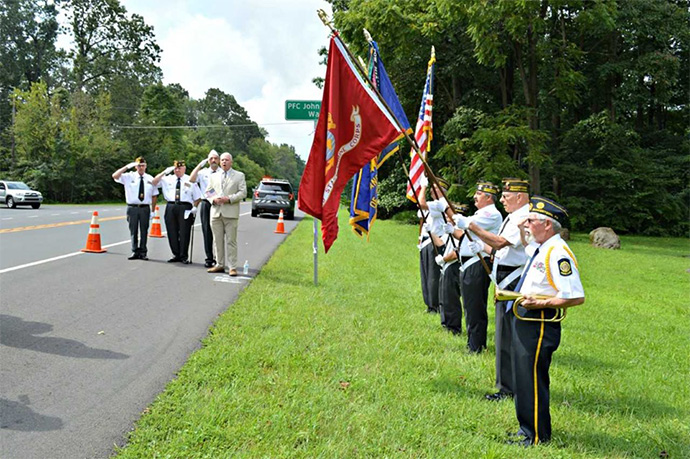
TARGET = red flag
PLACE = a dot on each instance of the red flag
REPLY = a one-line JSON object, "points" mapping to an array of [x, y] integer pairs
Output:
{"points": [[353, 128], [423, 132]]}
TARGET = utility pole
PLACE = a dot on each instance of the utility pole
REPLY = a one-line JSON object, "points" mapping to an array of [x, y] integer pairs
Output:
{"points": [[14, 111]]}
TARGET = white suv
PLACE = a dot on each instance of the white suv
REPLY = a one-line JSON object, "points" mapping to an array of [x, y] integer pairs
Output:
{"points": [[15, 194]]}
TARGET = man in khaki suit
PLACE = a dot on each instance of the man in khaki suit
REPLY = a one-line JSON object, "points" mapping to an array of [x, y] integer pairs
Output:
{"points": [[225, 192]]}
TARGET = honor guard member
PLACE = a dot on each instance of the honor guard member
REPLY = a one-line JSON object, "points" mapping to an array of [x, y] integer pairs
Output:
{"points": [[429, 270], [182, 197], [141, 196], [553, 274], [508, 262], [225, 192], [474, 279], [202, 177], [450, 305]]}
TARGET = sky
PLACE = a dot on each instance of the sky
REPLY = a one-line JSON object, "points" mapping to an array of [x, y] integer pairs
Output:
{"points": [[263, 52]]}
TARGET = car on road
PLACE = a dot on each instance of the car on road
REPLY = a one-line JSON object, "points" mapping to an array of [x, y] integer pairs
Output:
{"points": [[15, 194], [272, 196]]}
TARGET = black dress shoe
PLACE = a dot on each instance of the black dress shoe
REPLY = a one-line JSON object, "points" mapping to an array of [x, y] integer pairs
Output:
{"points": [[134, 256], [174, 260], [498, 396], [209, 264], [186, 261], [524, 442], [143, 257]]}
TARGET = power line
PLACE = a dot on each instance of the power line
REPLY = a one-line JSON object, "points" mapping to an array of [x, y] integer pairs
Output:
{"points": [[211, 126]]}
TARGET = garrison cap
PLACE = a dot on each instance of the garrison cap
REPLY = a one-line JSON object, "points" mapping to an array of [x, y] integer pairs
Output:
{"points": [[443, 183], [548, 207], [487, 187], [140, 160], [463, 209], [178, 163], [516, 185]]}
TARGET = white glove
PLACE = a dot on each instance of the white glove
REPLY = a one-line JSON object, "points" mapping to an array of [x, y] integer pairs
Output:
{"points": [[203, 162], [461, 222], [439, 260], [448, 228], [168, 170], [438, 206], [151, 215], [131, 165], [475, 246], [424, 182], [435, 214], [191, 212]]}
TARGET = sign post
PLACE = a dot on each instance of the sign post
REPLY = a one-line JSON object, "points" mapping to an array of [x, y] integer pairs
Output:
{"points": [[307, 110]]}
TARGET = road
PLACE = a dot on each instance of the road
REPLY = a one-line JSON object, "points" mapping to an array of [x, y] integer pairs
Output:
{"points": [[88, 340]]}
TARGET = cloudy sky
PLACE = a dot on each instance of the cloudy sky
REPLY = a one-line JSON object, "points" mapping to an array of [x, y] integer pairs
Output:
{"points": [[263, 52]]}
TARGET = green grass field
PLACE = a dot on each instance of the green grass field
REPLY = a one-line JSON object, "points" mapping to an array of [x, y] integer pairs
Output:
{"points": [[355, 367]]}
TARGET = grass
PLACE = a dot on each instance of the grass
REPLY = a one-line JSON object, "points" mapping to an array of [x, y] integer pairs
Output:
{"points": [[356, 368]]}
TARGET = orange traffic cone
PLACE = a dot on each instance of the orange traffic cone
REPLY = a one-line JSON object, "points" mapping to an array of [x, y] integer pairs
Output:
{"points": [[280, 227], [93, 241], [156, 225]]}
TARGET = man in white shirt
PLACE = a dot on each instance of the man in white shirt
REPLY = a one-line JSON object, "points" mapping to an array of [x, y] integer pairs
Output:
{"points": [[552, 271], [202, 177], [141, 196], [509, 260], [474, 279], [182, 197]]}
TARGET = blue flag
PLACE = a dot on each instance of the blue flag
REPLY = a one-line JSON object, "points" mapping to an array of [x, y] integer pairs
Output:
{"points": [[364, 202]]}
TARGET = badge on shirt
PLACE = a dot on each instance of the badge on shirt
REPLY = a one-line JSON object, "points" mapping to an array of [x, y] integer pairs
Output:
{"points": [[187, 184], [564, 267], [539, 266]]}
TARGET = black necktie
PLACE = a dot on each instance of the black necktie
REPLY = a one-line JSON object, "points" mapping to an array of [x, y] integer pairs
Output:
{"points": [[177, 191], [509, 305], [141, 188]]}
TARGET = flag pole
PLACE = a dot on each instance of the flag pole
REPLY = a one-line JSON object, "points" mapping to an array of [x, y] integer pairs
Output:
{"points": [[324, 18]]}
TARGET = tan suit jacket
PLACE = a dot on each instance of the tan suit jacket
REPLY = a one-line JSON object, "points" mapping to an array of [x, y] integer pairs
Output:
{"points": [[233, 187]]}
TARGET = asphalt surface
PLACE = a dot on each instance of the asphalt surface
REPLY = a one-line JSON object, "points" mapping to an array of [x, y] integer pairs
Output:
{"points": [[88, 340]]}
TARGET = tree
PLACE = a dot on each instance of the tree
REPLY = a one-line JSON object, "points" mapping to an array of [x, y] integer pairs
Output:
{"points": [[108, 42]]}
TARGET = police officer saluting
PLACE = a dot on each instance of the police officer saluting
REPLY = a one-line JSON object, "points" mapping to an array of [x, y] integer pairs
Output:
{"points": [[552, 271], [141, 195], [182, 197]]}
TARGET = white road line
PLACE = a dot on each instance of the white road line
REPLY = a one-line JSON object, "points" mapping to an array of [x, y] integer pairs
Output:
{"points": [[48, 260], [54, 215], [8, 218], [32, 216], [74, 213]]}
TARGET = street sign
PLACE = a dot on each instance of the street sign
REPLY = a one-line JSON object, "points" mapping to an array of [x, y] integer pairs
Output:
{"points": [[302, 109]]}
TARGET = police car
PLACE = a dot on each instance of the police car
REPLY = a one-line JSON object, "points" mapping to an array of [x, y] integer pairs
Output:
{"points": [[272, 196]]}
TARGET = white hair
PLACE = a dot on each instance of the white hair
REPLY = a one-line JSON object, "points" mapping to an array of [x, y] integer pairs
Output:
{"points": [[227, 155], [555, 224]]}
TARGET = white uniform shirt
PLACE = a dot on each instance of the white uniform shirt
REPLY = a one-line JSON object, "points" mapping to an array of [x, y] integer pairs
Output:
{"points": [[554, 271], [488, 218], [189, 192], [131, 182], [424, 238], [451, 246], [203, 177], [513, 254]]}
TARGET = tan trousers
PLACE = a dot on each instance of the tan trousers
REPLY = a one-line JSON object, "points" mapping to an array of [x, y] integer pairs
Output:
{"points": [[225, 235]]}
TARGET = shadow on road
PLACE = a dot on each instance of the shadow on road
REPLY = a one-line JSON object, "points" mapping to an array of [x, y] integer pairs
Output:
{"points": [[15, 332], [18, 416]]}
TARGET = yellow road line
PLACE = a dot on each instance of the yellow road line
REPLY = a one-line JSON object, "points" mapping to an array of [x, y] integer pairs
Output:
{"points": [[57, 225]]}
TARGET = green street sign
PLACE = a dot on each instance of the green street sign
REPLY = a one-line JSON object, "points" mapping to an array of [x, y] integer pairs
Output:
{"points": [[302, 109]]}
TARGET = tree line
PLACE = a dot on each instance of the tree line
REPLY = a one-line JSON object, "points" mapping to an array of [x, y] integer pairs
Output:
{"points": [[69, 118], [586, 98]]}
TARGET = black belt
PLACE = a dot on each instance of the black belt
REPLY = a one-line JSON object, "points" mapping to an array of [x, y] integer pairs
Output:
{"points": [[506, 269], [464, 259], [181, 203], [139, 205]]}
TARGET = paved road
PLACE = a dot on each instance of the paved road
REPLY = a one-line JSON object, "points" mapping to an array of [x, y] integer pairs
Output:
{"points": [[88, 340]]}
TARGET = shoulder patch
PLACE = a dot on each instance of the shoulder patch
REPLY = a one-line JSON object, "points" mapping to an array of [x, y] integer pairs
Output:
{"points": [[564, 267]]}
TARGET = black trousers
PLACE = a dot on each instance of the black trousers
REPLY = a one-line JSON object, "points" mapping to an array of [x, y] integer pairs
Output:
{"points": [[533, 345], [475, 292], [431, 274], [450, 306], [138, 219], [179, 229], [205, 216], [504, 327]]}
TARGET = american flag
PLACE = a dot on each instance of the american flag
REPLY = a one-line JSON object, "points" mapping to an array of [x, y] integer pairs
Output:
{"points": [[423, 132]]}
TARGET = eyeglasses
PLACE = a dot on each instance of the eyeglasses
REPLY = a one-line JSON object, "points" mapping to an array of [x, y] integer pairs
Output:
{"points": [[532, 220]]}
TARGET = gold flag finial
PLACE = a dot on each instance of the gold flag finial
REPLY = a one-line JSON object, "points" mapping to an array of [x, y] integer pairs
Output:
{"points": [[367, 35]]}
